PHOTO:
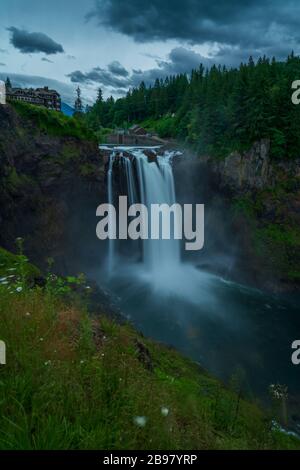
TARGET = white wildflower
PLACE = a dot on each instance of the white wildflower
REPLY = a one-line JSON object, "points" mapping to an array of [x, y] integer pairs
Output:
{"points": [[278, 391], [164, 411], [140, 421], [19, 289]]}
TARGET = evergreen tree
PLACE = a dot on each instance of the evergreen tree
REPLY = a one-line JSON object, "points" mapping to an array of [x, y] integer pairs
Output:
{"points": [[8, 84], [218, 109], [99, 96], [78, 106]]}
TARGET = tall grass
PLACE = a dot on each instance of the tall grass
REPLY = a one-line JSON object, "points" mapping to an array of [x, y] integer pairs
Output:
{"points": [[76, 382]]}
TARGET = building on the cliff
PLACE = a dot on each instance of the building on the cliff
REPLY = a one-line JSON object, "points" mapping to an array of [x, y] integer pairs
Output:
{"points": [[137, 130], [40, 97], [2, 93]]}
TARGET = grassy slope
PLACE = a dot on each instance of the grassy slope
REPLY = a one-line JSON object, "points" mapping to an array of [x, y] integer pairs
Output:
{"points": [[53, 122], [73, 382]]}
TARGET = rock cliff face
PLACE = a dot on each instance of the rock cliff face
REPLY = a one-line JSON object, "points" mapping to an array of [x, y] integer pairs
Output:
{"points": [[248, 171], [264, 196], [252, 170], [50, 187]]}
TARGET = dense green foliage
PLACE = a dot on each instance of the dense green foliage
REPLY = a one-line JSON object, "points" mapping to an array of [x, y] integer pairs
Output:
{"points": [[53, 122], [76, 382], [216, 110]]}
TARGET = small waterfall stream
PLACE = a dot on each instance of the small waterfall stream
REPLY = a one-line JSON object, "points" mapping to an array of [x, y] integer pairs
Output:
{"points": [[111, 245]]}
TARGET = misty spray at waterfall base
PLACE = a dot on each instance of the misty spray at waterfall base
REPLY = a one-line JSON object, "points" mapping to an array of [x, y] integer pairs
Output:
{"points": [[225, 326], [157, 262]]}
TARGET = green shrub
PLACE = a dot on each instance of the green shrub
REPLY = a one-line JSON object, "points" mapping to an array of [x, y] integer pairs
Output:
{"points": [[53, 122]]}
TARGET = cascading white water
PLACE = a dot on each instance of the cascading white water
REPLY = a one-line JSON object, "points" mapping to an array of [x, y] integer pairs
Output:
{"points": [[151, 183], [157, 187], [132, 196], [111, 245]]}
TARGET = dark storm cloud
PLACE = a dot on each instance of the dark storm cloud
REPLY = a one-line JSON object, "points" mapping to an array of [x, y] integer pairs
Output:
{"points": [[114, 76], [77, 77], [121, 92], [263, 26], [180, 60], [28, 43], [151, 56], [117, 69], [44, 59]]}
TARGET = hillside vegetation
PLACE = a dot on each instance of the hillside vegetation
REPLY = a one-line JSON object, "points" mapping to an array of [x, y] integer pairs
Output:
{"points": [[216, 110], [73, 381], [54, 123]]}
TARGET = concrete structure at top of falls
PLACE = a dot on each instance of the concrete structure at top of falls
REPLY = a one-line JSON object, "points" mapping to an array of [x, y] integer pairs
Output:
{"points": [[147, 182]]}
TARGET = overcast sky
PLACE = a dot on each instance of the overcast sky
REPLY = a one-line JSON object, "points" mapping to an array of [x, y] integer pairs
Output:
{"points": [[114, 44]]}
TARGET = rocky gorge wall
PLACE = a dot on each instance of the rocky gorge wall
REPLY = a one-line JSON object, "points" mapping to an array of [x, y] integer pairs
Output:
{"points": [[259, 202], [50, 187]]}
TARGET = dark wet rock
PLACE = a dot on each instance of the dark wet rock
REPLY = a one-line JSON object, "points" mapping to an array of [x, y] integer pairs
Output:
{"points": [[246, 171], [143, 355]]}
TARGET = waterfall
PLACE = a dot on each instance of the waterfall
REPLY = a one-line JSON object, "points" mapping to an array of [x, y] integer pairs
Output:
{"points": [[111, 243], [147, 183], [157, 187], [131, 189]]}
